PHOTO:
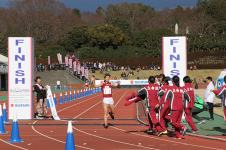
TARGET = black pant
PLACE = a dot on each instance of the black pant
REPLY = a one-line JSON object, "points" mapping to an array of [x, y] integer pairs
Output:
{"points": [[210, 108]]}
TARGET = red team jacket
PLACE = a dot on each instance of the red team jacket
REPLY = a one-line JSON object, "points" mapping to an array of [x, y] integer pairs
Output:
{"points": [[152, 94], [162, 94], [176, 96], [190, 92], [107, 89]]}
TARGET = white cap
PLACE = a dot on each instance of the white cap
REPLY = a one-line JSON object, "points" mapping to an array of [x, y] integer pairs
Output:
{"points": [[69, 127]]}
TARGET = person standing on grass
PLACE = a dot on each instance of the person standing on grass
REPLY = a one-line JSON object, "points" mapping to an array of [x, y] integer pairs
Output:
{"points": [[222, 94], [108, 102], [189, 104], [209, 96]]}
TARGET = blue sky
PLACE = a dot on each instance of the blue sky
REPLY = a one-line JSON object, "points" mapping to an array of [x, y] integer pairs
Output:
{"points": [[91, 5]]}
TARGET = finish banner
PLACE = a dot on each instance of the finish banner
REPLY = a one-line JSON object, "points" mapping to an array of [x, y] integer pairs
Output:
{"points": [[174, 56], [20, 77]]}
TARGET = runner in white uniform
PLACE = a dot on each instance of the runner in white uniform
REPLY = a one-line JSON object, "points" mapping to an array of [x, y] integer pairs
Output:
{"points": [[108, 102]]}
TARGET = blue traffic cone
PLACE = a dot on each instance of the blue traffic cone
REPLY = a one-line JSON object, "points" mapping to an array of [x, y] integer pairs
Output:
{"points": [[88, 92], [15, 135], [85, 92], [65, 97], [61, 99], [5, 118], [70, 143], [91, 91], [74, 95], [47, 103], [2, 128], [81, 94], [70, 96], [78, 94], [54, 99]]}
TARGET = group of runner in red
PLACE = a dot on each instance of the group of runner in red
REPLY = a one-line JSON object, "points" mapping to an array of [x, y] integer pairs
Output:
{"points": [[167, 101]]}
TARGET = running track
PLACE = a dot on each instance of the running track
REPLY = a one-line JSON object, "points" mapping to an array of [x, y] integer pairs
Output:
{"points": [[89, 134]]}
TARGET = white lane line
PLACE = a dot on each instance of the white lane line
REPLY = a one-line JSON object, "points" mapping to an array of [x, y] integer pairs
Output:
{"points": [[87, 110], [107, 139], [33, 128], [6, 142], [54, 139], [166, 140], [96, 105], [187, 144], [125, 143]]}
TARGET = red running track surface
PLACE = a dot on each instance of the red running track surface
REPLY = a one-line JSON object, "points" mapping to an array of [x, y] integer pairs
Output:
{"points": [[90, 134]]}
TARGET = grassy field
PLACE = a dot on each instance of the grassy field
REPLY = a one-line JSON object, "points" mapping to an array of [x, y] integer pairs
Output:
{"points": [[144, 74]]}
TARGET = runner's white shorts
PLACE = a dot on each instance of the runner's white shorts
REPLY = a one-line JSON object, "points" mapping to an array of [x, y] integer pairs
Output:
{"points": [[108, 100]]}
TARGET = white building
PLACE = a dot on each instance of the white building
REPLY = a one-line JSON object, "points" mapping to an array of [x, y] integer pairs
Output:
{"points": [[3, 73]]}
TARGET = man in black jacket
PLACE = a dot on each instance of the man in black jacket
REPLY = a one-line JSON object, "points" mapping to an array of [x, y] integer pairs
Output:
{"points": [[41, 96]]}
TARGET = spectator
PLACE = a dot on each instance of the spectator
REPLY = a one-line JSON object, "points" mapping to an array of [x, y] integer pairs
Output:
{"points": [[209, 96], [196, 84], [41, 98]]}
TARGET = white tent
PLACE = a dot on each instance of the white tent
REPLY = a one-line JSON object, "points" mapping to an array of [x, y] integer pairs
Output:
{"points": [[3, 59]]}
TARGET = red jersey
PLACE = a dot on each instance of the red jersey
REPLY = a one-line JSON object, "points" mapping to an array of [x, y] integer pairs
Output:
{"points": [[177, 97], [190, 91], [163, 93], [152, 94], [107, 89]]}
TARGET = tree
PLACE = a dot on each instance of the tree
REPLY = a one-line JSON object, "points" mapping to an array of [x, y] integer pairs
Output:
{"points": [[100, 11], [136, 14], [151, 40], [106, 35], [76, 38], [77, 12]]}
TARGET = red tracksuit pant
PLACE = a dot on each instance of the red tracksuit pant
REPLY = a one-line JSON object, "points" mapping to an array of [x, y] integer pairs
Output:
{"points": [[154, 120], [176, 116], [188, 117], [164, 116]]}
